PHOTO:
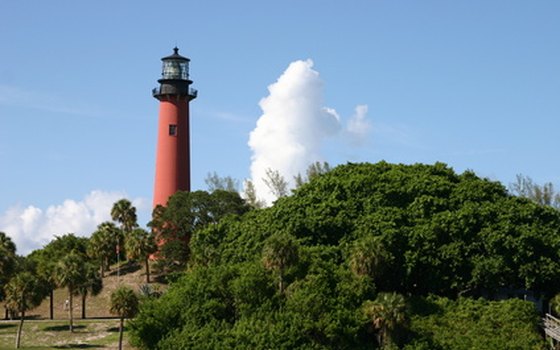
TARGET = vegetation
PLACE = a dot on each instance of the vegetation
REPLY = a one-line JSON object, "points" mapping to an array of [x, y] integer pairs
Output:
{"points": [[187, 212], [363, 232], [360, 256], [23, 293], [124, 303]]}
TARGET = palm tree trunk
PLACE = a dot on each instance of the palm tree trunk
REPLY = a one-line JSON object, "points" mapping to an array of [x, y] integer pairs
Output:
{"points": [[102, 268], [51, 304], [84, 306], [281, 282], [71, 292], [5, 312], [121, 329], [147, 270], [20, 328]]}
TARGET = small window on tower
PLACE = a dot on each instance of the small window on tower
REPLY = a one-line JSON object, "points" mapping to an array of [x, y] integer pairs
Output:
{"points": [[172, 129]]}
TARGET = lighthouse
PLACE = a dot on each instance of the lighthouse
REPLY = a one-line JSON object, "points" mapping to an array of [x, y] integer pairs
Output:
{"points": [[174, 93]]}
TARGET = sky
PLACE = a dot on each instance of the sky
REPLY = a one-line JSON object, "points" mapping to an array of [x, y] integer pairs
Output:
{"points": [[474, 84]]}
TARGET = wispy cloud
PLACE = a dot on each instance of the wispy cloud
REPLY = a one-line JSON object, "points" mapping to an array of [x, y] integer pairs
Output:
{"points": [[18, 97]]}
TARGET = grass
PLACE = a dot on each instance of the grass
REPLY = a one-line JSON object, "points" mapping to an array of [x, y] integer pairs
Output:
{"points": [[39, 334], [98, 331]]}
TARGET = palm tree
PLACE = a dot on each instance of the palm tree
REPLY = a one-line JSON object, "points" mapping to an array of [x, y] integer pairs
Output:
{"points": [[124, 303], [386, 313], [23, 293], [368, 257], [124, 213], [92, 284], [69, 273], [140, 245], [45, 272], [280, 251], [103, 243]]}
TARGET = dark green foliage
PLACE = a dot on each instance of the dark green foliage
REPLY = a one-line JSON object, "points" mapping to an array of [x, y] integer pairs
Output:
{"points": [[433, 232], [440, 323], [185, 213]]}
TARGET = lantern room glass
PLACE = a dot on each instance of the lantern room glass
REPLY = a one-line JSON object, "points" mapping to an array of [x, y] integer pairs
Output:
{"points": [[176, 70]]}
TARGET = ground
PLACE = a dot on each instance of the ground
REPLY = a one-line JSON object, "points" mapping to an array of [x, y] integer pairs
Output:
{"points": [[98, 331]]}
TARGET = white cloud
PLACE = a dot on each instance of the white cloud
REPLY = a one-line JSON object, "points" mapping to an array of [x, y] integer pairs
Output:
{"points": [[31, 227], [294, 125], [359, 126]]}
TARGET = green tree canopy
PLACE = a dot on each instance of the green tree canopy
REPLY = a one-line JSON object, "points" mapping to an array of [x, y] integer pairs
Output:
{"points": [[361, 230]]}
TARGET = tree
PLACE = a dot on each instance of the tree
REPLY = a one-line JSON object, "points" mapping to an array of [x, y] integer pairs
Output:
{"points": [[250, 195], [7, 262], [369, 257], [555, 304], [102, 244], [185, 213], [525, 187], [445, 234], [313, 170], [280, 251], [23, 293], [124, 213], [91, 284], [47, 258], [124, 303], [70, 273], [276, 183], [386, 313], [216, 182], [139, 246]]}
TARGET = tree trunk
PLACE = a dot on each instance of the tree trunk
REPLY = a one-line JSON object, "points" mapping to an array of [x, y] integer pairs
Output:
{"points": [[121, 330], [5, 312], [281, 282], [51, 304], [71, 298], [84, 306], [102, 268], [147, 270], [20, 328]]}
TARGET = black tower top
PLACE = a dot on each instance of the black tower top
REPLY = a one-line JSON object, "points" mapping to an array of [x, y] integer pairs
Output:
{"points": [[174, 78]]}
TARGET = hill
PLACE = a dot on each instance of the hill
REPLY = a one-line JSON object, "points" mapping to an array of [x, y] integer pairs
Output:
{"points": [[298, 275]]}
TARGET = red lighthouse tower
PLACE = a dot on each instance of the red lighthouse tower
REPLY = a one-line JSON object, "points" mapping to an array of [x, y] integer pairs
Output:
{"points": [[173, 171]]}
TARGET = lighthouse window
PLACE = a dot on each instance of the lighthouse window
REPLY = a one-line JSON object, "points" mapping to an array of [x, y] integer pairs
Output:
{"points": [[172, 129]]}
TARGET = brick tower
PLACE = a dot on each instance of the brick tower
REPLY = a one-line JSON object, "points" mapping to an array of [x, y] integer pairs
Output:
{"points": [[173, 171]]}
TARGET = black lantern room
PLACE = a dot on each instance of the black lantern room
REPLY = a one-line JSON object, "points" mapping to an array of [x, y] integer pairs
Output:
{"points": [[174, 77]]}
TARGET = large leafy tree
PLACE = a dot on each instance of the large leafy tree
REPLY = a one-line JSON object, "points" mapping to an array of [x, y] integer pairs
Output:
{"points": [[24, 292], [446, 234], [140, 244], [185, 213], [124, 303], [70, 272]]}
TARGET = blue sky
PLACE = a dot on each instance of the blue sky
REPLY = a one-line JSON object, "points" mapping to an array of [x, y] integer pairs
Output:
{"points": [[474, 84]]}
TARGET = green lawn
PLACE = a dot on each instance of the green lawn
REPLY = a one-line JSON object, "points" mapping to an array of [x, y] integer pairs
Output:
{"points": [[88, 334]]}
